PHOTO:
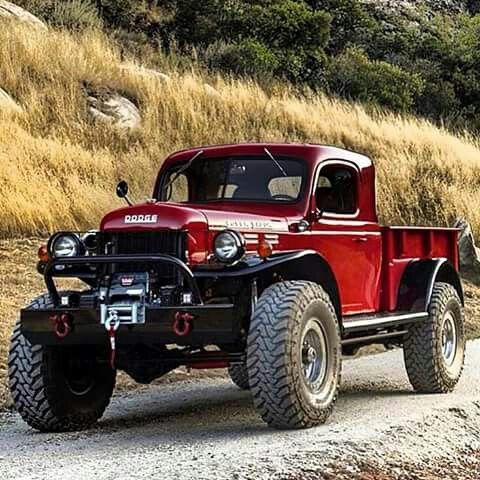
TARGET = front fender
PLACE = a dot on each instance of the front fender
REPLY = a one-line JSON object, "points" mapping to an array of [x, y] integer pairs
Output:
{"points": [[299, 265]]}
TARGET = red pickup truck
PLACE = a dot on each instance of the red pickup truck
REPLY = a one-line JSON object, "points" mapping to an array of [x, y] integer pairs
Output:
{"points": [[266, 259]]}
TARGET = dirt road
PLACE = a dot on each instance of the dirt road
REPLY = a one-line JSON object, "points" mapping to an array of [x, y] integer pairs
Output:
{"points": [[210, 430]]}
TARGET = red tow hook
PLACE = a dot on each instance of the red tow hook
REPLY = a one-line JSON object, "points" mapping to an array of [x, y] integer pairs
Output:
{"points": [[62, 324], [182, 325]]}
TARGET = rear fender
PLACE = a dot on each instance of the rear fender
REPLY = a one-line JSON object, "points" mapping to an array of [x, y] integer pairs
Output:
{"points": [[416, 287]]}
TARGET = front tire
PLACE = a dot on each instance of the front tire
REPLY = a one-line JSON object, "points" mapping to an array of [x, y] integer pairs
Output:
{"points": [[294, 355], [57, 388], [434, 350]]}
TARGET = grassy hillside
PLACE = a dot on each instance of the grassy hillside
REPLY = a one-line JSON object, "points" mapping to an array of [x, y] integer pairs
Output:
{"points": [[58, 167]]}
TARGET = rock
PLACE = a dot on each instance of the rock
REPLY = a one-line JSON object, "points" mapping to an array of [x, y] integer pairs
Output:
{"points": [[8, 103], [144, 71], [115, 109], [213, 92], [469, 252], [8, 9]]}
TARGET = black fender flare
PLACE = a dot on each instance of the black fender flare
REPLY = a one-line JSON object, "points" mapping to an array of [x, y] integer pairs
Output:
{"points": [[416, 287], [299, 265]]}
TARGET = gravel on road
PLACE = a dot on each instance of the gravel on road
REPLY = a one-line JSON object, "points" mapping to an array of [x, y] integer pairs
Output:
{"points": [[209, 429]]}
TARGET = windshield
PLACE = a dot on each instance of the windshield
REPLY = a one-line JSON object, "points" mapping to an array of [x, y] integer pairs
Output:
{"points": [[236, 178]]}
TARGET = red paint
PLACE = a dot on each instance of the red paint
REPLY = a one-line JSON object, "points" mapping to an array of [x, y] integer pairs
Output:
{"points": [[208, 364], [368, 260]]}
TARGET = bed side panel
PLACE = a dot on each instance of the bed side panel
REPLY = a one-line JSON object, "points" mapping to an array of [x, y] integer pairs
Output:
{"points": [[402, 245]]}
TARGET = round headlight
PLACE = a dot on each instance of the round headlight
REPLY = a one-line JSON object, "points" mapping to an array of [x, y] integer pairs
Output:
{"points": [[228, 246], [65, 245], [89, 240]]}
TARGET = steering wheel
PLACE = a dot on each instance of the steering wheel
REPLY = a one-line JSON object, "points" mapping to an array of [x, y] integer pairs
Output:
{"points": [[282, 196]]}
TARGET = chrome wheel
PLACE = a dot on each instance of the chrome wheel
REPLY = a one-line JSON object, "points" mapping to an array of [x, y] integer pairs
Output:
{"points": [[449, 338], [314, 355]]}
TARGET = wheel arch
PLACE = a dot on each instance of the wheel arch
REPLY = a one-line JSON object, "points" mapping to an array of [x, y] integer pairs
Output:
{"points": [[309, 266], [416, 287]]}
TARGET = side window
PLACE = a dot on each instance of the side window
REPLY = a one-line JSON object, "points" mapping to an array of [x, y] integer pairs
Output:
{"points": [[336, 190], [178, 190]]}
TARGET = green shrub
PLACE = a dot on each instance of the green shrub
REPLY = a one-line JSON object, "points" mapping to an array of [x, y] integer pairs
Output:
{"points": [[286, 24], [247, 57], [353, 75], [350, 23], [146, 16], [75, 15]]}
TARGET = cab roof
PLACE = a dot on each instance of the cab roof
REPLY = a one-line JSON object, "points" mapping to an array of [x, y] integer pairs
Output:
{"points": [[311, 153]]}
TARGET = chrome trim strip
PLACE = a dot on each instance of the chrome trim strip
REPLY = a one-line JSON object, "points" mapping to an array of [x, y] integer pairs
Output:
{"points": [[350, 324]]}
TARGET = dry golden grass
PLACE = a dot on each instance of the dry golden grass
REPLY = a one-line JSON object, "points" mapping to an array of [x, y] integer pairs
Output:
{"points": [[58, 168]]}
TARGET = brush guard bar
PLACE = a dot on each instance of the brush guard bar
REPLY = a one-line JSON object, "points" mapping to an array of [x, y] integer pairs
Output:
{"points": [[52, 270]]}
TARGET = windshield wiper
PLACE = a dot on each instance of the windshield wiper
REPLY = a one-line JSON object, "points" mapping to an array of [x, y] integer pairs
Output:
{"points": [[284, 173], [182, 169]]}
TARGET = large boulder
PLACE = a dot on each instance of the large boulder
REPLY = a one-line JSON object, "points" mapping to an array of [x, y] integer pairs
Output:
{"points": [[8, 9], [115, 109], [469, 252], [8, 103]]}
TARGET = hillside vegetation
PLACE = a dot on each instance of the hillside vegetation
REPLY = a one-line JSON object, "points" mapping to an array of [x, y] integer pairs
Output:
{"points": [[58, 167], [417, 56]]}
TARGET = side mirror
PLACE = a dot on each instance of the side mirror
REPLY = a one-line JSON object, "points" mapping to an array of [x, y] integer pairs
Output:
{"points": [[122, 191]]}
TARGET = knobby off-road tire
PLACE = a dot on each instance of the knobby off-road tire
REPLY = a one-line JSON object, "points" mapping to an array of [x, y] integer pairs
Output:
{"points": [[434, 350], [239, 375], [49, 394], [291, 388]]}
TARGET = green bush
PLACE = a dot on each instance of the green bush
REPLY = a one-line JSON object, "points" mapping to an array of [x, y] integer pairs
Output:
{"points": [[353, 75], [247, 57], [75, 15], [350, 23], [146, 16]]}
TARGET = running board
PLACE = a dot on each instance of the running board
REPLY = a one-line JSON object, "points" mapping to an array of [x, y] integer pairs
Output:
{"points": [[363, 323]]}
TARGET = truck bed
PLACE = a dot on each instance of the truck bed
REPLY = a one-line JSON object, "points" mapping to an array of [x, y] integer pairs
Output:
{"points": [[402, 244]]}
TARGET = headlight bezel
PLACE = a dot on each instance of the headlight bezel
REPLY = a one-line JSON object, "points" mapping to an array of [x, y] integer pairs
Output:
{"points": [[76, 241], [239, 243]]}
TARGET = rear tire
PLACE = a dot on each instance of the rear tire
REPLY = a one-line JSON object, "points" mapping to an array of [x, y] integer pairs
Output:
{"points": [[434, 350], [239, 375], [57, 388], [294, 355]]}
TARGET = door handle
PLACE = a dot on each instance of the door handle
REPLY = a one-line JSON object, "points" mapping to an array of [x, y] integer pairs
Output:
{"points": [[360, 239]]}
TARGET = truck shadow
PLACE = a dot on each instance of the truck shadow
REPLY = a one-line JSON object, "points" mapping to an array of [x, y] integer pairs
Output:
{"points": [[212, 409]]}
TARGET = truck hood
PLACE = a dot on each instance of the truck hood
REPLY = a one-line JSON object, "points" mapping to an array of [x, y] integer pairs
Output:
{"points": [[175, 216], [154, 216]]}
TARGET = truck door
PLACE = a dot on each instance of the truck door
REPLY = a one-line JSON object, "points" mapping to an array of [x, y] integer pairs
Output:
{"points": [[352, 247]]}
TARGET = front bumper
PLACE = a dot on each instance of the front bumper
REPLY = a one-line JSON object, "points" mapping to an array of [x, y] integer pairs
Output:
{"points": [[211, 324]]}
